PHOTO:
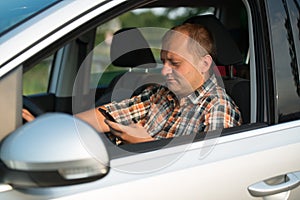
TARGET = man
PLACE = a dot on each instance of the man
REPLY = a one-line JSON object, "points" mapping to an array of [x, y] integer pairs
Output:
{"points": [[190, 102]]}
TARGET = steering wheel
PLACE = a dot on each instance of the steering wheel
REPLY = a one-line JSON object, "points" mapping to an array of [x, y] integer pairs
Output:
{"points": [[34, 109]]}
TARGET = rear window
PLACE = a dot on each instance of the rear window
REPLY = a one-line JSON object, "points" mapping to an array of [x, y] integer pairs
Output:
{"points": [[14, 12]]}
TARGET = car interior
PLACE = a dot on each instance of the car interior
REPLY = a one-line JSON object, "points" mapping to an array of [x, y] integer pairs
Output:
{"points": [[104, 76]]}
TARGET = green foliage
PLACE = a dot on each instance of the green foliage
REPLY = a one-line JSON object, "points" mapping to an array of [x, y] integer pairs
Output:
{"points": [[145, 19], [36, 80]]}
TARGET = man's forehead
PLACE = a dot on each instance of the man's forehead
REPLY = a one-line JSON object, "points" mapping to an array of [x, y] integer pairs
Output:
{"points": [[176, 46], [175, 39], [169, 55]]}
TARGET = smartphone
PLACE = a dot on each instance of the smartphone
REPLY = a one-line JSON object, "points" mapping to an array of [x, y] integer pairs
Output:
{"points": [[112, 137], [106, 114]]}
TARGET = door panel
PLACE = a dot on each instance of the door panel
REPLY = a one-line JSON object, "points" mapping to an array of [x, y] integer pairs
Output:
{"points": [[233, 163]]}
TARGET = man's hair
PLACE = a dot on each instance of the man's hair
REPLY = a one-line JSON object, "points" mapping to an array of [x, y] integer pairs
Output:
{"points": [[200, 39]]}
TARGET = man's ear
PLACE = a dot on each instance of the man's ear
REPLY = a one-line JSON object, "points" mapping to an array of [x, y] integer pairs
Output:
{"points": [[206, 63]]}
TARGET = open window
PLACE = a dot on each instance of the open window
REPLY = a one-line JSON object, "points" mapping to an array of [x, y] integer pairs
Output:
{"points": [[86, 51]]}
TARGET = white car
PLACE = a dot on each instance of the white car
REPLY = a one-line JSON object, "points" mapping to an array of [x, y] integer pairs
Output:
{"points": [[56, 60]]}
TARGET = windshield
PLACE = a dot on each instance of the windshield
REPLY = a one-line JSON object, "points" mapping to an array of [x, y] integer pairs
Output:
{"points": [[13, 12]]}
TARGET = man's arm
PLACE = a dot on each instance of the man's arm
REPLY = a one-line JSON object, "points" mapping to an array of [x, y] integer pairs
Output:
{"points": [[95, 119], [134, 133], [222, 116]]}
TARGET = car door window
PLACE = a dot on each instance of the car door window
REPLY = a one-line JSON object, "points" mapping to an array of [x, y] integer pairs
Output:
{"points": [[102, 72], [285, 43], [36, 79]]}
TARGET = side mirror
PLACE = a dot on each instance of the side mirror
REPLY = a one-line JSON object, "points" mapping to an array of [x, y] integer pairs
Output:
{"points": [[53, 150]]}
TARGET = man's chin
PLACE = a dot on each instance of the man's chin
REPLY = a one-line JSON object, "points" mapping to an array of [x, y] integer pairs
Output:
{"points": [[173, 87]]}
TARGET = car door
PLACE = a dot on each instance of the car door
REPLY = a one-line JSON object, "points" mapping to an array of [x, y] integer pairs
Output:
{"points": [[220, 168], [261, 161]]}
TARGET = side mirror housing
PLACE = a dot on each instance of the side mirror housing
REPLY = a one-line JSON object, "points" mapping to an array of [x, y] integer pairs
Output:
{"points": [[53, 150]]}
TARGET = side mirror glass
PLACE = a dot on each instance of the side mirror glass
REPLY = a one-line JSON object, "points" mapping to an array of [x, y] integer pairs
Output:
{"points": [[55, 149]]}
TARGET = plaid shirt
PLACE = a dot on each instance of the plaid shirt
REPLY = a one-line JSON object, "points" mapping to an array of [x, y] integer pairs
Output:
{"points": [[160, 112]]}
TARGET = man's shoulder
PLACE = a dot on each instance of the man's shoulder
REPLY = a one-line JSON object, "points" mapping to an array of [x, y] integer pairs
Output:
{"points": [[217, 96]]}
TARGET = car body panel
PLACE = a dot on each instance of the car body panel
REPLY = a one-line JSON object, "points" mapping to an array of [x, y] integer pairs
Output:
{"points": [[237, 161]]}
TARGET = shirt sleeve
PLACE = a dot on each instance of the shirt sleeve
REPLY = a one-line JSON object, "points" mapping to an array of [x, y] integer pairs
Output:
{"points": [[223, 114], [130, 110]]}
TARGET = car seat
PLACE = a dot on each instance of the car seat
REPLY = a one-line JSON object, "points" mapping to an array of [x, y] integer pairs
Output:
{"points": [[227, 54], [129, 49]]}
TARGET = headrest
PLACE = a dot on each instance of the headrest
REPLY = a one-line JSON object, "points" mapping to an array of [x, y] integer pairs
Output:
{"points": [[227, 52], [129, 48]]}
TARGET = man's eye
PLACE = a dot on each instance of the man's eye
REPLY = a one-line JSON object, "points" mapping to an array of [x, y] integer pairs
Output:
{"points": [[175, 63]]}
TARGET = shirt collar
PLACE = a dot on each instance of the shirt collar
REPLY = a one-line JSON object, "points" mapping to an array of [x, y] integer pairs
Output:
{"points": [[197, 94], [202, 90]]}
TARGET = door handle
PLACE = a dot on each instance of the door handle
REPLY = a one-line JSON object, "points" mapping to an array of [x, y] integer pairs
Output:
{"points": [[262, 188]]}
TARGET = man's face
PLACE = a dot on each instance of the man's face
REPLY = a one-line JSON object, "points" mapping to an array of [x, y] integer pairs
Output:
{"points": [[181, 68]]}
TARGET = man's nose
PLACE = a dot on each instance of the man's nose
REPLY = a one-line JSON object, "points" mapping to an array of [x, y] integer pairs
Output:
{"points": [[166, 69]]}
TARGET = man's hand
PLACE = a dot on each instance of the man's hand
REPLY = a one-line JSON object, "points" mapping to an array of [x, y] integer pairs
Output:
{"points": [[133, 133], [27, 115]]}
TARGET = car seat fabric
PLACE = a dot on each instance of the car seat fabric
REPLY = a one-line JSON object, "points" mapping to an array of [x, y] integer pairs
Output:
{"points": [[227, 52], [130, 49], [241, 95]]}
